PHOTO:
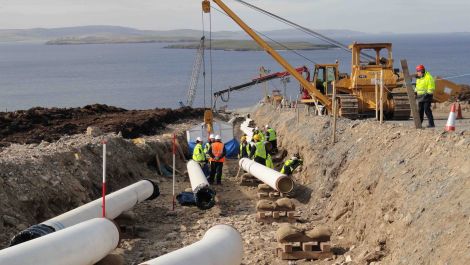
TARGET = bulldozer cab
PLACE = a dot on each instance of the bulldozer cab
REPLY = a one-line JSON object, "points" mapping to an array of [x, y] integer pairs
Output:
{"points": [[365, 69], [323, 75]]}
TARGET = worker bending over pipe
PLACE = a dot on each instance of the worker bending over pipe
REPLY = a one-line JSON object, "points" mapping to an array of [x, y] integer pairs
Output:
{"points": [[274, 179]]}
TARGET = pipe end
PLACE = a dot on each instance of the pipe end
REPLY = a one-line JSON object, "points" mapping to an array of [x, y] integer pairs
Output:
{"points": [[156, 190], [31, 233], [285, 184], [204, 197]]}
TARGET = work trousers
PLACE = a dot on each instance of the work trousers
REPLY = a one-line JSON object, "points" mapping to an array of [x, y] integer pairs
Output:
{"points": [[260, 160], [274, 146], [424, 106], [216, 171]]}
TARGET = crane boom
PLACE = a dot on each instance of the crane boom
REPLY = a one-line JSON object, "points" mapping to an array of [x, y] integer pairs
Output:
{"points": [[276, 56], [191, 94]]}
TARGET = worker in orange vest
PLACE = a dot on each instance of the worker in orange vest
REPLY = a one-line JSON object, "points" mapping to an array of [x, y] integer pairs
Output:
{"points": [[217, 157]]}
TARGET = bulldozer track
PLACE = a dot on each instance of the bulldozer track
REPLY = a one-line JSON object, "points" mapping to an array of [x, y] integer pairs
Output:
{"points": [[348, 106], [401, 106]]}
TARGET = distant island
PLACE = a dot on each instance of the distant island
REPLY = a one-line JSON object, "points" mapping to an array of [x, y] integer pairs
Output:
{"points": [[249, 45], [113, 39]]}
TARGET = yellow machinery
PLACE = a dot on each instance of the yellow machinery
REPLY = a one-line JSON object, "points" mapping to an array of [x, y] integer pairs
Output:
{"points": [[357, 93]]}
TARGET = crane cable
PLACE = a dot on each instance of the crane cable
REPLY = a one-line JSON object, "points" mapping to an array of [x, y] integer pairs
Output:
{"points": [[203, 58], [210, 53], [303, 29], [278, 43]]}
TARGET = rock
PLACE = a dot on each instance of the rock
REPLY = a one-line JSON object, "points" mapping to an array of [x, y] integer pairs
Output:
{"points": [[10, 220], [408, 219], [348, 259], [338, 213], [93, 131]]}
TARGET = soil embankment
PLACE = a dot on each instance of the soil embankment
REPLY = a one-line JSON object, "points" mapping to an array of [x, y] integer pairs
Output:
{"points": [[49, 124], [390, 193]]}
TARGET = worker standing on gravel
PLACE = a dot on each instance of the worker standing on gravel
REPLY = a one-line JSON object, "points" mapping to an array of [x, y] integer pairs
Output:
{"points": [[425, 87], [271, 136], [244, 148], [200, 156], [290, 165], [217, 153], [207, 146], [258, 151]]}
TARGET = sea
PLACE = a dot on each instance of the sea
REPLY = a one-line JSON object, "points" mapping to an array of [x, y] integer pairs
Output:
{"points": [[147, 75]]}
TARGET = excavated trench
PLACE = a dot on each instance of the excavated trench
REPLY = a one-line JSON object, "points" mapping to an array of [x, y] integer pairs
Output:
{"points": [[379, 188]]}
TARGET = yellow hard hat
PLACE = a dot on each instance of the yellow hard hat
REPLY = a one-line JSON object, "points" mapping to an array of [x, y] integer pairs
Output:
{"points": [[243, 138], [256, 137]]}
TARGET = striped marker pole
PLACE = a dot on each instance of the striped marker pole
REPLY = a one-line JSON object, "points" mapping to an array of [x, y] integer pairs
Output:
{"points": [[104, 179], [174, 171]]}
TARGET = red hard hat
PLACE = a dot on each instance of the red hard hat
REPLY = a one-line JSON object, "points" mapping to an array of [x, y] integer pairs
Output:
{"points": [[420, 67]]}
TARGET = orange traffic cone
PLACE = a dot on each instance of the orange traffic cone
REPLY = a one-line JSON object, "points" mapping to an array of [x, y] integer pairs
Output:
{"points": [[450, 125], [459, 112]]}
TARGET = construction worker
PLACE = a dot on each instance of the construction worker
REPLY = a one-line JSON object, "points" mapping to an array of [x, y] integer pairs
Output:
{"points": [[258, 151], [269, 161], [207, 146], [290, 165], [244, 148], [425, 87], [271, 137], [217, 153], [200, 157], [257, 131]]}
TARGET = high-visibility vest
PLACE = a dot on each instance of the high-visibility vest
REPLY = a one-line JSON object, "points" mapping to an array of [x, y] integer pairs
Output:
{"points": [[287, 168], [261, 136], [217, 151], [198, 153], [260, 150], [247, 149], [269, 161], [425, 84], [206, 149], [272, 134]]}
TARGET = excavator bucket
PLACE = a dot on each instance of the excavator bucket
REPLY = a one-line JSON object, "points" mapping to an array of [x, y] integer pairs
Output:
{"points": [[446, 90]]}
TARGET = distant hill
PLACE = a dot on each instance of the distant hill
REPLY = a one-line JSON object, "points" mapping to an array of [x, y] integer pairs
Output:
{"points": [[249, 45], [116, 34]]}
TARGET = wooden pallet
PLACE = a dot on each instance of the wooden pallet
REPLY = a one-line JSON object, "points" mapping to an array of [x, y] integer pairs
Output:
{"points": [[249, 181], [271, 195], [276, 216], [304, 250]]}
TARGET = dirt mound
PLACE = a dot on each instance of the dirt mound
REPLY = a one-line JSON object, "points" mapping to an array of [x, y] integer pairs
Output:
{"points": [[390, 193], [49, 124], [465, 94]]}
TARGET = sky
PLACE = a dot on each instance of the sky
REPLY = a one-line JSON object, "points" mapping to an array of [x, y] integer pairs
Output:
{"points": [[372, 16]]}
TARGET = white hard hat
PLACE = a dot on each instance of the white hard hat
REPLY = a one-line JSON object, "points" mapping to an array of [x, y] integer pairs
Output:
{"points": [[266, 126], [211, 136], [256, 128], [217, 137], [198, 139], [295, 158]]}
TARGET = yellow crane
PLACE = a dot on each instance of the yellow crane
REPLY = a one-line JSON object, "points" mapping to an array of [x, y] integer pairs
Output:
{"points": [[273, 53]]}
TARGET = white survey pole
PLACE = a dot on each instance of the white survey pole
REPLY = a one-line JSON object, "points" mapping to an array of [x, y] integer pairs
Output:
{"points": [[82, 244], [221, 245], [203, 194], [117, 202], [274, 179], [104, 179]]}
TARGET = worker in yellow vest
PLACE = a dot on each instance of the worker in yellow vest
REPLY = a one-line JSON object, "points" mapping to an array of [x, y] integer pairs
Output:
{"points": [[425, 87], [244, 148], [217, 153], [271, 137], [200, 157], [258, 151], [207, 146]]}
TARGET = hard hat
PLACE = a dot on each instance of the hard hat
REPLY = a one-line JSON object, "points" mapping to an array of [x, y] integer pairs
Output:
{"points": [[420, 68], [243, 138], [211, 136], [256, 137], [256, 128], [266, 126], [295, 158], [198, 139], [217, 137]]}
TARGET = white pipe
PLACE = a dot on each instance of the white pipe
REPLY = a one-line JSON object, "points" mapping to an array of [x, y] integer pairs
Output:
{"points": [[82, 244], [203, 194], [274, 179], [221, 245], [246, 129], [116, 203]]}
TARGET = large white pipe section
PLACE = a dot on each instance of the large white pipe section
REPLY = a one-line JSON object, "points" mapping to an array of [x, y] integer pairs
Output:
{"points": [[273, 178], [203, 194], [246, 129], [82, 244], [221, 245], [116, 203]]}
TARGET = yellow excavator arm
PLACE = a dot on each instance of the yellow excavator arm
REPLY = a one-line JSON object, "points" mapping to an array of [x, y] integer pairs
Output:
{"points": [[273, 53], [446, 90]]}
